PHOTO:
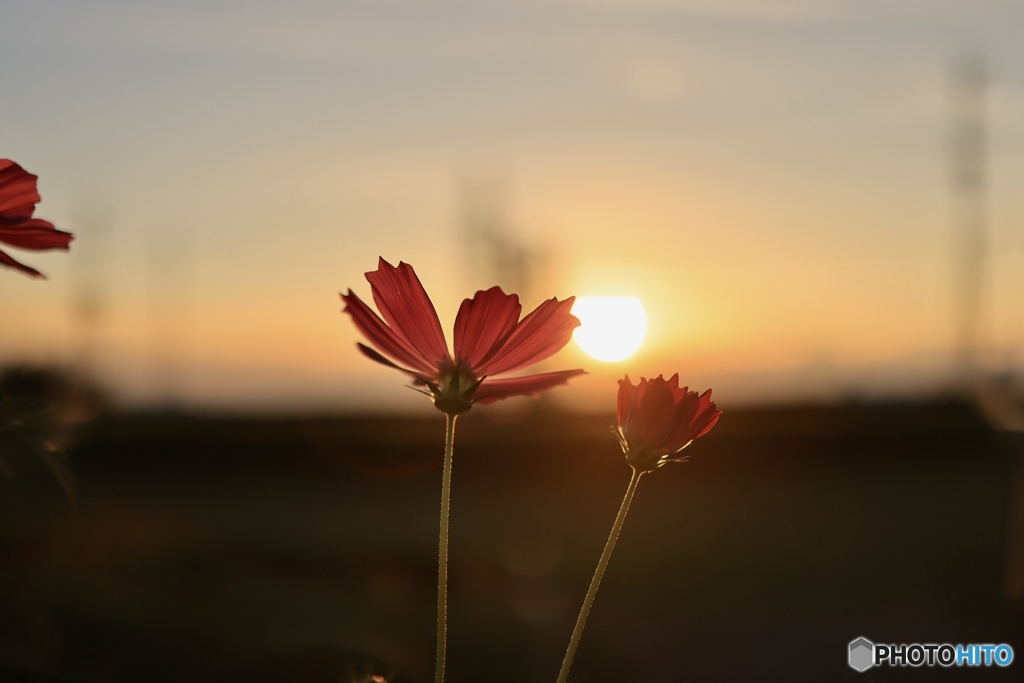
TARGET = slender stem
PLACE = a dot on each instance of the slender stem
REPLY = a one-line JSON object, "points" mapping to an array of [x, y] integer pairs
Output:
{"points": [[602, 564], [442, 549]]}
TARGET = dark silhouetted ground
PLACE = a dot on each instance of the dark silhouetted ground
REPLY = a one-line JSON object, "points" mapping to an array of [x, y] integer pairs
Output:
{"points": [[201, 546]]}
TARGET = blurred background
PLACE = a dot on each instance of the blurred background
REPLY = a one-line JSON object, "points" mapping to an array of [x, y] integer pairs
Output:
{"points": [[816, 203]]}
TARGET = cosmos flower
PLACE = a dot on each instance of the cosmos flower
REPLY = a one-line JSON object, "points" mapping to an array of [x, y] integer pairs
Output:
{"points": [[657, 420], [490, 339], [18, 199]]}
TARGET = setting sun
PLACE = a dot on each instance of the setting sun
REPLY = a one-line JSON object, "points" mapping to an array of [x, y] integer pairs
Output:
{"points": [[611, 327]]}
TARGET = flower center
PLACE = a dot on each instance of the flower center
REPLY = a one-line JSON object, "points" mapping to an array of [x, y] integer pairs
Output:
{"points": [[453, 393]]}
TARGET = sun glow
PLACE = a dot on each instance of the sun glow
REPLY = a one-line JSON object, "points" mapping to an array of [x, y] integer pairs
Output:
{"points": [[611, 327]]}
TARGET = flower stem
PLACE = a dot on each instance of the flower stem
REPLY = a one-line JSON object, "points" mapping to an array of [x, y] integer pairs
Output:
{"points": [[442, 550], [602, 564]]}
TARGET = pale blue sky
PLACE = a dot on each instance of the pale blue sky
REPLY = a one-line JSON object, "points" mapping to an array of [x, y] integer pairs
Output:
{"points": [[771, 179]]}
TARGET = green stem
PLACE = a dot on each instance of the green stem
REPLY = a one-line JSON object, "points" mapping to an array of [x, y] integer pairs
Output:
{"points": [[602, 564], [442, 549]]}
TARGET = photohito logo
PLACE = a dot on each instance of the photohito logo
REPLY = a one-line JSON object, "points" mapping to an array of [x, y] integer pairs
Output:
{"points": [[863, 654]]}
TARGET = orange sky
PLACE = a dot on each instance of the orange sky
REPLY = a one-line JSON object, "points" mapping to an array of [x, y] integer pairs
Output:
{"points": [[775, 187]]}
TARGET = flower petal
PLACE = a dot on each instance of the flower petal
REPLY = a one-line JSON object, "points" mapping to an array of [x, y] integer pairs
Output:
{"points": [[631, 421], [405, 306], [627, 400], [657, 411], [33, 233], [708, 415], [382, 336], [658, 418], [375, 355], [537, 336], [18, 194], [686, 412], [484, 322], [496, 389], [8, 261]]}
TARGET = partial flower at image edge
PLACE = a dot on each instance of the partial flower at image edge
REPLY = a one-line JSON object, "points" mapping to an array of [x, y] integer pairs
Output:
{"points": [[18, 227]]}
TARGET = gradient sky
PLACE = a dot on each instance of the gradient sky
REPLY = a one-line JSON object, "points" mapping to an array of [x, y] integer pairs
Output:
{"points": [[772, 180]]}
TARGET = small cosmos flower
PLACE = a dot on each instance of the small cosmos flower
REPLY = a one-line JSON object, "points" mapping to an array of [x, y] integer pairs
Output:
{"points": [[490, 339], [18, 199], [658, 419]]}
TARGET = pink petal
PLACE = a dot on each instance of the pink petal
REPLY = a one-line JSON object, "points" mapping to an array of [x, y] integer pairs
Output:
{"points": [[8, 261], [382, 336], [684, 430], [496, 389], [537, 336], [657, 410], [708, 416], [405, 306], [375, 355], [33, 233], [626, 402], [711, 421], [689, 405], [632, 418], [18, 195], [677, 392], [483, 322]]}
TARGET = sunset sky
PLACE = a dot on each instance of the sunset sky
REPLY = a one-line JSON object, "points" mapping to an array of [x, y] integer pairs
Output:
{"points": [[771, 180]]}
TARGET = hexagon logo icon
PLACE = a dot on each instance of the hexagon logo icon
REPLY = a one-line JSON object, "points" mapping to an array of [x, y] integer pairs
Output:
{"points": [[862, 654]]}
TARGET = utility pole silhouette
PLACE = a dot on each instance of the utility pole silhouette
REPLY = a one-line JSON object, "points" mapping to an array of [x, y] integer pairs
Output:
{"points": [[89, 298], [493, 250], [970, 200], [169, 269]]}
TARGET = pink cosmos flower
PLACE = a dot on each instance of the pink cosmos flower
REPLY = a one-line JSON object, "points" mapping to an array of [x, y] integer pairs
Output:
{"points": [[657, 420], [490, 339], [18, 199]]}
